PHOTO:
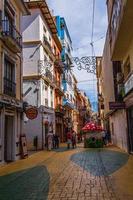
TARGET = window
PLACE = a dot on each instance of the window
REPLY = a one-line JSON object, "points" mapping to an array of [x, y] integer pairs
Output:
{"points": [[9, 77], [54, 50], [115, 14], [9, 19], [44, 29]]}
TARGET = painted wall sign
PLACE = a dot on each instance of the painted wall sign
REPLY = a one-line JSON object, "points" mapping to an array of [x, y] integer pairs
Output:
{"points": [[31, 113], [116, 105]]}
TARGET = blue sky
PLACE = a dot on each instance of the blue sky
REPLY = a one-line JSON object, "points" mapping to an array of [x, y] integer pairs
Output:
{"points": [[78, 16]]}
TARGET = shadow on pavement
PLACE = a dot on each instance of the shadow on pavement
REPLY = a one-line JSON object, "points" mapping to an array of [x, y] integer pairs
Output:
{"points": [[100, 162], [29, 184]]}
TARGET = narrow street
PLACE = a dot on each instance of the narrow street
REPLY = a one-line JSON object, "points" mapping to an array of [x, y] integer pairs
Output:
{"points": [[79, 174]]}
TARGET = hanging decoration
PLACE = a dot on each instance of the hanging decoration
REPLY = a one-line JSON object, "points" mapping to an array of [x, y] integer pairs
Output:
{"points": [[87, 63]]}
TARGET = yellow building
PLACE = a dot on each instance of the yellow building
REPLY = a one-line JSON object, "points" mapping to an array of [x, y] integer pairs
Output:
{"points": [[11, 112]]}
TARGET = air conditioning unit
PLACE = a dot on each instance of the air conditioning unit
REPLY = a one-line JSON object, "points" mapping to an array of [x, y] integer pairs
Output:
{"points": [[120, 77]]}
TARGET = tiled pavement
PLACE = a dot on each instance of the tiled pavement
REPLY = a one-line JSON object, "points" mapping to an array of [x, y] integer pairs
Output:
{"points": [[80, 174]]}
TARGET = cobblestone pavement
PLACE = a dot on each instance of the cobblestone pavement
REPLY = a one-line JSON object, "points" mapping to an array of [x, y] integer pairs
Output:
{"points": [[78, 174]]}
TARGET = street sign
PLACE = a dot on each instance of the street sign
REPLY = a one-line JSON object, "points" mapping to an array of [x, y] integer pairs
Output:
{"points": [[31, 113], [116, 105]]}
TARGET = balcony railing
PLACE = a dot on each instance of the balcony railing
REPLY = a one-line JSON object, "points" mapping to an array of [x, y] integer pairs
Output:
{"points": [[59, 65], [129, 83], [46, 42], [9, 87], [10, 30], [59, 109]]}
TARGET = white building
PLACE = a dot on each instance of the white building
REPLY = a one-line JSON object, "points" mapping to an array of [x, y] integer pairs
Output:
{"points": [[38, 30]]}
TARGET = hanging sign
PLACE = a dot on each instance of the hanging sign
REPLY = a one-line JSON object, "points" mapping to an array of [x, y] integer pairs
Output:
{"points": [[31, 113], [116, 105]]}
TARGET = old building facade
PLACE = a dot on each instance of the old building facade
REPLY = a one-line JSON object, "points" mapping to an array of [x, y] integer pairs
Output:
{"points": [[116, 74], [11, 104], [41, 48]]}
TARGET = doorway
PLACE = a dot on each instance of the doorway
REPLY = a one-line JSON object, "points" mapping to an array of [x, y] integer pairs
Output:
{"points": [[130, 129], [8, 138]]}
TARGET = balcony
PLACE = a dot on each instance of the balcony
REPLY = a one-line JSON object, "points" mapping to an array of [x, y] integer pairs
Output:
{"points": [[9, 87], [121, 20], [67, 103], [43, 70], [59, 110], [11, 36], [129, 83], [59, 65], [59, 89], [48, 47]]}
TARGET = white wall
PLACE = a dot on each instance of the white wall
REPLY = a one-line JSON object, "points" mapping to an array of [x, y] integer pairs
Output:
{"points": [[33, 96], [120, 129], [30, 26]]}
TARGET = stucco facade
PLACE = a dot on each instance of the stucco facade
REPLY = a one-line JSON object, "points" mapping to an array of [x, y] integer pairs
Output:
{"points": [[39, 75], [11, 105]]}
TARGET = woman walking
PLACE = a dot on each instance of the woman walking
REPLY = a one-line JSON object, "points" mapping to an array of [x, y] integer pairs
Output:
{"points": [[69, 139], [73, 139], [50, 140]]}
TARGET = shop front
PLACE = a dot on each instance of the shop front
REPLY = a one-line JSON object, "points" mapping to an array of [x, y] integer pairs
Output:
{"points": [[10, 131]]}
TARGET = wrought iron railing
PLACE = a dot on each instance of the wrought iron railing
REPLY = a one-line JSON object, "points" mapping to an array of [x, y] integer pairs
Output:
{"points": [[9, 87], [59, 108], [46, 42], [8, 29]]}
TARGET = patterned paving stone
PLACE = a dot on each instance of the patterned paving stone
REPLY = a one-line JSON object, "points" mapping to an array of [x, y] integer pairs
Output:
{"points": [[64, 175]]}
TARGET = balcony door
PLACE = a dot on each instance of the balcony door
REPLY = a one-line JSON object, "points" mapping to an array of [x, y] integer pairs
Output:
{"points": [[9, 20], [9, 77]]}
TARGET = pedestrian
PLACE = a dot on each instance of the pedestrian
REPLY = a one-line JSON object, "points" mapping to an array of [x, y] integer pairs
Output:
{"points": [[79, 139], [56, 141], [50, 140], [103, 137], [73, 139], [107, 137], [69, 139]]}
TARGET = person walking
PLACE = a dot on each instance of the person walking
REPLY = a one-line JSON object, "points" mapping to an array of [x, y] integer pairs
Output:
{"points": [[73, 139], [107, 137], [69, 139], [103, 137], [56, 141], [50, 140]]}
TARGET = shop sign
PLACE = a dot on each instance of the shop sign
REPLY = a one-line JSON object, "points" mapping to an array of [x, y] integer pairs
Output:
{"points": [[116, 105], [31, 113]]}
